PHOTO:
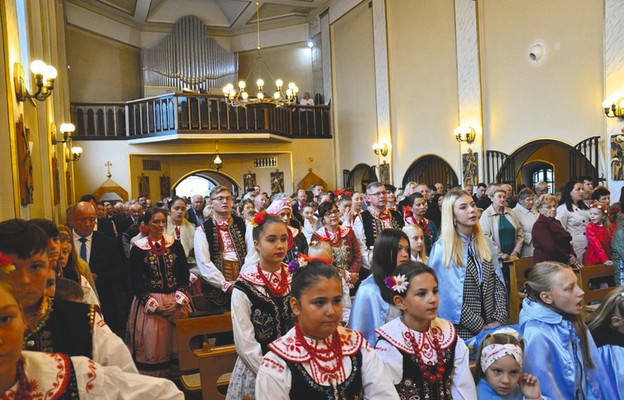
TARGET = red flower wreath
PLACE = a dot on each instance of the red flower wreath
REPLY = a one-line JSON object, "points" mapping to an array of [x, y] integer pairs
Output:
{"points": [[258, 219], [6, 265], [144, 230]]}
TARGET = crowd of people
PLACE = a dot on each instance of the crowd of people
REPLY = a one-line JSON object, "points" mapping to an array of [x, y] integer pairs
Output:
{"points": [[381, 294]]}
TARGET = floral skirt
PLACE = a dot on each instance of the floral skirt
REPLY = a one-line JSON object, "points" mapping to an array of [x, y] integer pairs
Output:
{"points": [[151, 337], [242, 383]]}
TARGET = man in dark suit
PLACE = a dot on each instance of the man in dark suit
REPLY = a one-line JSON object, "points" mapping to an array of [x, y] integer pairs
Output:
{"points": [[102, 225], [195, 214], [109, 272]]}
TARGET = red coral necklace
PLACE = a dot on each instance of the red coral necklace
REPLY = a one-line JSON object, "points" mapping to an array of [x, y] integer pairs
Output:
{"points": [[282, 286], [333, 351], [438, 373], [155, 250]]}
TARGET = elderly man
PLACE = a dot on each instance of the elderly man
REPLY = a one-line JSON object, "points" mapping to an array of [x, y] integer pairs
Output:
{"points": [[526, 214], [195, 214], [261, 202], [102, 255]]}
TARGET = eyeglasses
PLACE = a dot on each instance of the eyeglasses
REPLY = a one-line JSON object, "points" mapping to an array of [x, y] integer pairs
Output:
{"points": [[379, 194], [222, 199], [332, 213]]}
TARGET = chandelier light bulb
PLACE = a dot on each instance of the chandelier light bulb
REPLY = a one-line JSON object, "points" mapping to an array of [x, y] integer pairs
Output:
{"points": [[296, 89], [217, 160], [276, 95], [289, 92], [242, 85], [76, 150], [67, 127], [291, 85], [260, 83], [49, 72], [279, 83], [244, 95], [260, 95], [38, 67]]}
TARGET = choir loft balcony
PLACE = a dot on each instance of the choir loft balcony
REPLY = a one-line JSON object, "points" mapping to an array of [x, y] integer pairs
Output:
{"points": [[183, 116]]}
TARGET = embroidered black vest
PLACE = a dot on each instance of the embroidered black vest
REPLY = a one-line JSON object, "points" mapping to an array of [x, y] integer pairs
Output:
{"points": [[373, 226], [68, 330], [304, 386], [71, 392], [271, 316], [237, 232], [414, 386]]}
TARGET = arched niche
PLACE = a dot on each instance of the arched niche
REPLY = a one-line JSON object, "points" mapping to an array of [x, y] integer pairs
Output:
{"points": [[430, 169]]}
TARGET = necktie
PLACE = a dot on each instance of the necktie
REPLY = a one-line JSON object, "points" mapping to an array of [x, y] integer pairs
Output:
{"points": [[177, 232], [83, 248]]}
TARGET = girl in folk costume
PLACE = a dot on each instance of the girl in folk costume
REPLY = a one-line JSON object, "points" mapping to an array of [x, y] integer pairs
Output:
{"points": [[178, 226], [260, 309], [417, 243], [297, 243], [472, 289], [606, 325], [422, 352], [309, 221], [318, 359], [598, 236], [38, 375], [499, 366], [560, 350], [370, 310], [347, 255], [159, 275], [415, 214]]}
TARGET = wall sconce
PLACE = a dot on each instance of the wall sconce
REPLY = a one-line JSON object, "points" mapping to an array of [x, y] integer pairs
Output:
{"points": [[218, 163], [465, 134], [44, 81], [380, 149], [614, 109], [74, 155], [66, 131]]}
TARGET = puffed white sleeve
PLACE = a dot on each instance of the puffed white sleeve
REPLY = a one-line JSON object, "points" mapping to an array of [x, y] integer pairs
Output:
{"points": [[89, 294], [376, 380], [462, 386], [209, 271], [98, 382], [109, 349], [274, 380], [248, 349], [392, 359], [358, 229], [252, 258]]}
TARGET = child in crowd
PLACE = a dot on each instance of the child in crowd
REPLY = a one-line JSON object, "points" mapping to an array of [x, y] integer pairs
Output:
{"points": [[309, 221], [260, 309], [323, 251], [499, 366], [422, 352], [606, 325], [318, 359], [560, 351], [598, 236], [66, 289], [34, 375], [370, 309], [417, 242]]}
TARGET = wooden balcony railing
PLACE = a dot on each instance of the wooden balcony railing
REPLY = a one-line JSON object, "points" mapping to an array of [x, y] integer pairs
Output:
{"points": [[195, 113]]}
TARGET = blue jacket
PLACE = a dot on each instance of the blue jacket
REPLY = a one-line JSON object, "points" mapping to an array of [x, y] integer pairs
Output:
{"points": [[553, 354], [451, 279], [369, 310], [485, 392]]}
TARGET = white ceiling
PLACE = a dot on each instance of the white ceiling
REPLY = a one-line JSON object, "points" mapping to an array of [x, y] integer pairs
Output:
{"points": [[230, 15]]}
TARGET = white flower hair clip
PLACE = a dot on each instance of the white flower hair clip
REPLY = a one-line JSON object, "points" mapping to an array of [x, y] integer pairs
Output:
{"points": [[397, 283]]}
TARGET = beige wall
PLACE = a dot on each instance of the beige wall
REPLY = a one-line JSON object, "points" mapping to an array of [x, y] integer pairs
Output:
{"points": [[561, 98], [102, 69], [423, 81], [353, 76], [290, 63]]}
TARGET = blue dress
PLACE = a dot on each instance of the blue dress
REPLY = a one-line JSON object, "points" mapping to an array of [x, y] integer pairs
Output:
{"points": [[369, 310], [553, 355]]}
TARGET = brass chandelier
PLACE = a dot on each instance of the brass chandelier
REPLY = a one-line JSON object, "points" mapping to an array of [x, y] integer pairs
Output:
{"points": [[240, 97]]}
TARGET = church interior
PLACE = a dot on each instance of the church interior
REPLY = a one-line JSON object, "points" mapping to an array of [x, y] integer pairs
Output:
{"points": [[456, 91]]}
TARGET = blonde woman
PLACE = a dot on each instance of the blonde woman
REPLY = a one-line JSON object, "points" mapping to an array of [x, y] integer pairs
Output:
{"points": [[472, 292], [417, 242]]}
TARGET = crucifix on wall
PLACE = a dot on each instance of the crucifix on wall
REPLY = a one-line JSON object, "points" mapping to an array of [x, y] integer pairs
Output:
{"points": [[108, 164]]}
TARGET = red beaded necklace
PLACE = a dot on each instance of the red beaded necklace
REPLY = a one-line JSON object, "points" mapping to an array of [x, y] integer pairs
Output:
{"points": [[438, 374], [156, 251], [333, 351], [332, 242], [282, 286], [23, 386]]}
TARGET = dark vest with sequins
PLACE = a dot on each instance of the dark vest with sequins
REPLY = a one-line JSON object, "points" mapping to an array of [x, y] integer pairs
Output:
{"points": [[68, 330], [373, 226], [237, 232], [414, 385], [271, 316], [305, 387]]}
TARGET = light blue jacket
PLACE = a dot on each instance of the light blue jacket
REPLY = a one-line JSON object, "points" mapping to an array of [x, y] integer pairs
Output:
{"points": [[613, 359], [369, 310], [451, 279], [485, 392], [553, 354]]}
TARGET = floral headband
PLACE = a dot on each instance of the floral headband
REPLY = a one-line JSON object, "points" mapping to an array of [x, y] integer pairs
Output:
{"points": [[601, 207], [397, 283], [302, 261], [6, 265], [493, 352]]}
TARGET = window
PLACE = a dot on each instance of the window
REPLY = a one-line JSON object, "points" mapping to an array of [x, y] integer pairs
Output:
{"points": [[22, 32], [544, 173]]}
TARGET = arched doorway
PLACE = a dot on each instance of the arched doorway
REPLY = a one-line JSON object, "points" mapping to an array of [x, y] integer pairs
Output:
{"points": [[540, 155], [202, 181], [359, 178], [431, 169]]}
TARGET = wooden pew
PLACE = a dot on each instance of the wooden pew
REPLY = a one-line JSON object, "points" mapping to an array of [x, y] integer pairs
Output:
{"points": [[589, 277], [518, 273], [212, 362]]}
